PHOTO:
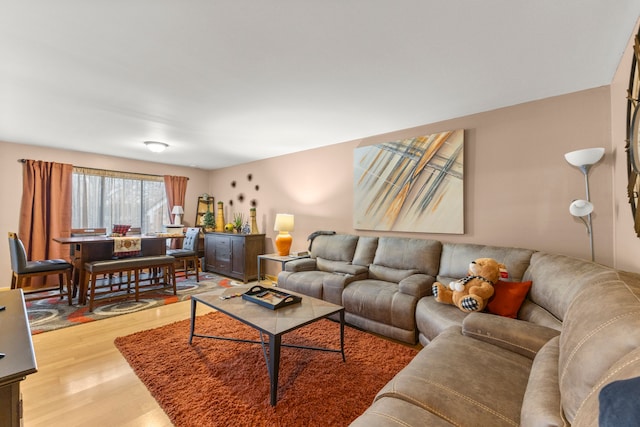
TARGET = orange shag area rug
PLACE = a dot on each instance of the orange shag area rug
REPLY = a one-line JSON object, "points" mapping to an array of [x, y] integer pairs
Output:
{"points": [[223, 383]]}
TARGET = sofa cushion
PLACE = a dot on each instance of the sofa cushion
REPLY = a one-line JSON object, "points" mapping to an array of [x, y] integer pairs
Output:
{"points": [[409, 254], [463, 380], [380, 272], [507, 298], [331, 266], [305, 282], [432, 318], [380, 301], [455, 259], [337, 247], [532, 312], [365, 250]]}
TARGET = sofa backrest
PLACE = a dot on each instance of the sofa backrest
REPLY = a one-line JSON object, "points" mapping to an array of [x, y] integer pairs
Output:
{"points": [[456, 257], [599, 343], [557, 279], [331, 251], [334, 247], [402, 253], [365, 250]]}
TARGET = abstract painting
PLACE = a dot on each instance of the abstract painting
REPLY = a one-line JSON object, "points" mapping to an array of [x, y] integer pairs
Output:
{"points": [[413, 184]]}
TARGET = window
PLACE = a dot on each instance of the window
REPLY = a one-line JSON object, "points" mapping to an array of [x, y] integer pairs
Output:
{"points": [[102, 198]]}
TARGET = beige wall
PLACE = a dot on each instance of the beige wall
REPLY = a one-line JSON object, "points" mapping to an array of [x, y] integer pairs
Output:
{"points": [[11, 177], [518, 186]]}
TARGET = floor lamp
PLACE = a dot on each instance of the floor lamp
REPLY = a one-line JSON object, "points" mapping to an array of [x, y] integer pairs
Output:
{"points": [[583, 160]]}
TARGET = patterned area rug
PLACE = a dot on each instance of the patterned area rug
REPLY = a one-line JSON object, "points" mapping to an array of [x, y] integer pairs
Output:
{"points": [[52, 313], [224, 383]]}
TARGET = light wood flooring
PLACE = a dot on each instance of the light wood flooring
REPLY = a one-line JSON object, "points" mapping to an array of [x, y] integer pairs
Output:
{"points": [[83, 380]]}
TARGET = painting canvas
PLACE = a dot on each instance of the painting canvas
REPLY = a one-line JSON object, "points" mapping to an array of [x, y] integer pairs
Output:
{"points": [[413, 185]]}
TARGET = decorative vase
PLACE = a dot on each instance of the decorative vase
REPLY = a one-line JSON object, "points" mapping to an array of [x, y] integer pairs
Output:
{"points": [[254, 223], [283, 243], [220, 218]]}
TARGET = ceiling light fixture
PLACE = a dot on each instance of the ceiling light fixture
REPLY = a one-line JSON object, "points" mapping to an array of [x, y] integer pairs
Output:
{"points": [[155, 146]]}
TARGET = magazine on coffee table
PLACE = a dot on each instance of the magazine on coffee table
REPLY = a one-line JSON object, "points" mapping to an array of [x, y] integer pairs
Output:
{"points": [[270, 298]]}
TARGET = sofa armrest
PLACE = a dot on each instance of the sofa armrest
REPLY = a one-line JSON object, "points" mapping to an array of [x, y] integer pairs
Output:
{"points": [[417, 285], [352, 270], [519, 336], [334, 284], [304, 264]]}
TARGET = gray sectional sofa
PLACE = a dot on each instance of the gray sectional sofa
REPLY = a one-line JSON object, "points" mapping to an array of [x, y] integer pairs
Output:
{"points": [[577, 331]]}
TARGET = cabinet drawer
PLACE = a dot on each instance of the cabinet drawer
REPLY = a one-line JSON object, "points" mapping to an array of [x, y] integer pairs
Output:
{"points": [[223, 250], [224, 266]]}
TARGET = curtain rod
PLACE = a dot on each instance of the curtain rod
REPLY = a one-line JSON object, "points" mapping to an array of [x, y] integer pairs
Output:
{"points": [[110, 170]]}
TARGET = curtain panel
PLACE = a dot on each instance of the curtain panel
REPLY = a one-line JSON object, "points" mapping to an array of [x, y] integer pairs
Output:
{"points": [[176, 188], [45, 209]]}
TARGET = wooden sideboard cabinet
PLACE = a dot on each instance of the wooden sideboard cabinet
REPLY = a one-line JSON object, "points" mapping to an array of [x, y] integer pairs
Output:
{"points": [[233, 255], [19, 359]]}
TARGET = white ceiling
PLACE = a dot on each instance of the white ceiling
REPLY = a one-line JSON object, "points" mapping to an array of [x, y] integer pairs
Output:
{"points": [[228, 82]]}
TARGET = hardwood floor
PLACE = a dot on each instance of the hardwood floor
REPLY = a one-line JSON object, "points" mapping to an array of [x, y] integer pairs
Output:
{"points": [[82, 379]]}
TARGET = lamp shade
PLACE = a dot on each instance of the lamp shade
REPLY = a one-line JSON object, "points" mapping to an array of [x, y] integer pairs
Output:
{"points": [[580, 208], [284, 222], [588, 156], [177, 212]]}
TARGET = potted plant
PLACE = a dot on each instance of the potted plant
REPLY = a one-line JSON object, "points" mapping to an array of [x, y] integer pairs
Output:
{"points": [[208, 221], [238, 220]]}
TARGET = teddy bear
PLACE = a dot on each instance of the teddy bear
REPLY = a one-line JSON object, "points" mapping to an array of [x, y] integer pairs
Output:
{"points": [[472, 292]]}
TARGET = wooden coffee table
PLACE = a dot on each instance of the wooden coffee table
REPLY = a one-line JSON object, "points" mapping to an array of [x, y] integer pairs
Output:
{"points": [[272, 323]]}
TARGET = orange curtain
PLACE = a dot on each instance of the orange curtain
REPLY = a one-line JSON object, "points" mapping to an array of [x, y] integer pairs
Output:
{"points": [[45, 210], [176, 189]]}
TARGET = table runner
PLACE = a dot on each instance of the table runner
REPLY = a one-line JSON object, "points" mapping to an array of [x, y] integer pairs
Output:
{"points": [[126, 246]]}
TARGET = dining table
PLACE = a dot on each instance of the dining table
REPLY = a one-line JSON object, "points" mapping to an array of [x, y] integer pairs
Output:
{"points": [[85, 249]]}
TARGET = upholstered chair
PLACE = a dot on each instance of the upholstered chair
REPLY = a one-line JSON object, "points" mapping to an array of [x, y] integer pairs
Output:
{"points": [[188, 255], [23, 269]]}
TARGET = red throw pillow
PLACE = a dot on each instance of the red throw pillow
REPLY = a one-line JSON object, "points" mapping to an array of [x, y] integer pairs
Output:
{"points": [[507, 298]]}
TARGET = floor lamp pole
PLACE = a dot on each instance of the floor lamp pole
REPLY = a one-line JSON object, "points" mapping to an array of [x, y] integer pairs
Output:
{"points": [[585, 171]]}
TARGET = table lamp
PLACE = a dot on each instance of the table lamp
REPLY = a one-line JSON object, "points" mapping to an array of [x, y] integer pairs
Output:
{"points": [[283, 225], [177, 211]]}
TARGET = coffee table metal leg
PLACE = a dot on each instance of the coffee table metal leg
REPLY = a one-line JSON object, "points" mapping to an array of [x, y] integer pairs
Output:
{"points": [[274, 365]]}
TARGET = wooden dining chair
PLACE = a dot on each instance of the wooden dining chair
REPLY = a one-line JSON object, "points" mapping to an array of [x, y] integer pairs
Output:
{"points": [[188, 255], [22, 270]]}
